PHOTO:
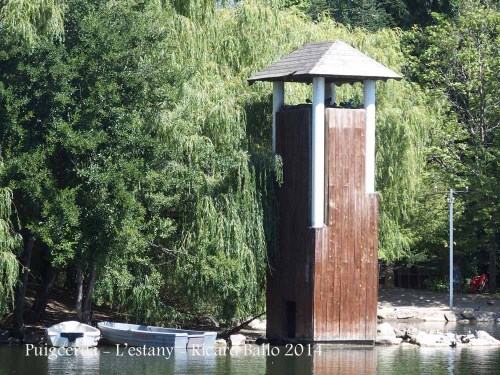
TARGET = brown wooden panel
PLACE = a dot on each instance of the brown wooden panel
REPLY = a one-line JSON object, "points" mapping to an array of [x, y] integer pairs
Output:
{"points": [[349, 222], [330, 273]]}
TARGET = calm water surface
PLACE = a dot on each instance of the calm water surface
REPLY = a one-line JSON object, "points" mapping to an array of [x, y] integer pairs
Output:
{"points": [[405, 359]]}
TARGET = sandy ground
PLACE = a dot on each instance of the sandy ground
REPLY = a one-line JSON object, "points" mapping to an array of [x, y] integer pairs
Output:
{"points": [[424, 304], [418, 298]]}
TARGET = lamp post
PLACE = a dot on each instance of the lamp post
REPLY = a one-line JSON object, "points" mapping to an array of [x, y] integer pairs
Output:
{"points": [[451, 200]]}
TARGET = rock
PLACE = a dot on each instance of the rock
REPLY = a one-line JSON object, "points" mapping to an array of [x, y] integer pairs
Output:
{"points": [[237, 340], [258, 325], [385, 330], [450, 317], [400, 333], [220, 343], [404, 314], [388, 340], [464, 339], [497, 320], [433, 317], [483, 335], [469, 314], [463, 321], [433, 340], [386, 314]]}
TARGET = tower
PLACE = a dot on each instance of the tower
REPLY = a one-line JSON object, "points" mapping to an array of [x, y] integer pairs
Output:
{"points": [[322, 283]]}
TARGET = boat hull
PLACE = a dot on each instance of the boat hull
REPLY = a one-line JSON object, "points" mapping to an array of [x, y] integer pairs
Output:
{"points": [[140, 335], [72, 334]]}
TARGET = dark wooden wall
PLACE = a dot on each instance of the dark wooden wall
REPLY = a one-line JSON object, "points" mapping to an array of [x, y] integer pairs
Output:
{"points": [[290, 278], [329, 274]]}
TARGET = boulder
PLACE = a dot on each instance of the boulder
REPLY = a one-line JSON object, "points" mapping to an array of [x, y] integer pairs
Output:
{"points": [[400, 333], [388, 340], [483, 335], [386, 314], [432, 340], [220, 343], [237, 340], [450, 317], [258, 325], [385, 330], [401, 314], [469, 314]]}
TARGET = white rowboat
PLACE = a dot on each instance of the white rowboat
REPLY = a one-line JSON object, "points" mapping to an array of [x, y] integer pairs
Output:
{"points": [[72, 334]]}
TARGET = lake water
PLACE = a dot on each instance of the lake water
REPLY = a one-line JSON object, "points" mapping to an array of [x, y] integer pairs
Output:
{"points": [[254, 360]]}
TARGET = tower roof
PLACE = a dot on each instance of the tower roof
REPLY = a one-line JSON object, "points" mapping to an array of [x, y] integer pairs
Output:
{"points": [[335, 60]]}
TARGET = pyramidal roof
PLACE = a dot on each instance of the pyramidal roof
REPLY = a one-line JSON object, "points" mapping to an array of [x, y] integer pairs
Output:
{"points": [[335, 60]]}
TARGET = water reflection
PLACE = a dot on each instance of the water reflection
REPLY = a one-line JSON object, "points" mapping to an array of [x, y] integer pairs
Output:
{"points": [[254, 360], [326, 360], [81, 361], [440, 360]]}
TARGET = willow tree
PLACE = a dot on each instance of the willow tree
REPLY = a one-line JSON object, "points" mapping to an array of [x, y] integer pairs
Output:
{"points": [[32, 20], [8, 242], [153, 168]]}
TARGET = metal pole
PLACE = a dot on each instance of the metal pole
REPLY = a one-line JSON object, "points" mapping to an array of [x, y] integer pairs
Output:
{"points": [[451, 248]]}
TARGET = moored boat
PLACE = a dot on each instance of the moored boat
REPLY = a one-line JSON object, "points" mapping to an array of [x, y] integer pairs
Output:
{"points": [[72, 334], [139, 335]]}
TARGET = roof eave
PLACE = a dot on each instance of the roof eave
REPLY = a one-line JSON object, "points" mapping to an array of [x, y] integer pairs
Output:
{"points": [[307, 78]]}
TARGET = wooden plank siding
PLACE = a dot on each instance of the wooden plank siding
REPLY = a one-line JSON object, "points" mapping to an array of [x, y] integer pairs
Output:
{"points": [[290, 278], [330, 273]]}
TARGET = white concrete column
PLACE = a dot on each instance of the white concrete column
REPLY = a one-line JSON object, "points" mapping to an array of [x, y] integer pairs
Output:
{"points": [[278, 102], [318, 153], [369, 98], [330, 93]]}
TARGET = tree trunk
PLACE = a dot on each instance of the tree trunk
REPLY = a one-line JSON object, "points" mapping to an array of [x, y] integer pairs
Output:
{"points": [[87, 301], [389, 275], [493, 266], [20, 294], [79, 293], [48, 279], [84, 295]]}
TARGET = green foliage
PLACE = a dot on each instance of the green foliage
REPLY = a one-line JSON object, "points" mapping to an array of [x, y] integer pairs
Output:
{"points": [[376, 14], [32, 20], [437, 284], [8, 243], [136, 145], [458, 59]]}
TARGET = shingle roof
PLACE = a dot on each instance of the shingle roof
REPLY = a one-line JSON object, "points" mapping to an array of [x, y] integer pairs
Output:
{"points": [[335, 60]]}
